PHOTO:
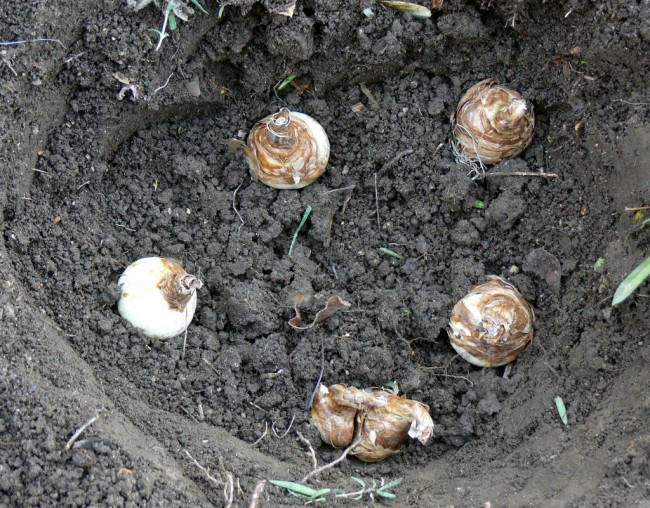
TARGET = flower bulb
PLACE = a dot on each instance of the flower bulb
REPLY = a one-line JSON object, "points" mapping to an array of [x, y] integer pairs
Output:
{"points": [[158, 297]]}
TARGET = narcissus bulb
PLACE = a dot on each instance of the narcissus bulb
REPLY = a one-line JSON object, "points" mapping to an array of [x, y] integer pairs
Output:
{"points": [[158, 297]]}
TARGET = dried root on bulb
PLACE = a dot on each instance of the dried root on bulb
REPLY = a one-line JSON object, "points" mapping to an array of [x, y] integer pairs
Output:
{"points": [[492, 123]]}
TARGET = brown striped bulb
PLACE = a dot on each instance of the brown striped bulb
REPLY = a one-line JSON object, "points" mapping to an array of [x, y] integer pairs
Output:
{"points": [[287, 150], [379, 421], [492, 325], [492, 123]]}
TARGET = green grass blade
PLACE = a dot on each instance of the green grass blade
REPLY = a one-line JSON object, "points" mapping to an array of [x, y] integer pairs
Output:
{"points": [[600, 262], [386, 494], [302, 223], [359, 481], [561, 409], [392, 484], [295, 487], [195, 2], [632, 281], [384, 250], [286, 81], [319, 493], [645, 223]]}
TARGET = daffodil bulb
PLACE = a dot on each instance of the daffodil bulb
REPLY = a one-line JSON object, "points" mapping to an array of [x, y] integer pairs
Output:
{"points": [[158, 297], [287, 150]]}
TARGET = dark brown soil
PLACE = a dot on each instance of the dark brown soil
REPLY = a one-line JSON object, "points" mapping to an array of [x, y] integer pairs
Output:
{"points": [[90, 183]]}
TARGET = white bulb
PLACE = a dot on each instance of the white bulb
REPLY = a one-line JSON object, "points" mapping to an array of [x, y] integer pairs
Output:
{"points": [[158, 297]]}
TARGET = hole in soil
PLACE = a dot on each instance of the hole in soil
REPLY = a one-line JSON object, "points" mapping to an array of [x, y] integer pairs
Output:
{"points": [[160, 182]]}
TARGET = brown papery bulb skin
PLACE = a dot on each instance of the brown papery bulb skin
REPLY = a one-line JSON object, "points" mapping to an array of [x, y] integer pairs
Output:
{"points": [[492, 325], [287, 150], [383, 430], [335, 422], [492, 123], [379, 420]]}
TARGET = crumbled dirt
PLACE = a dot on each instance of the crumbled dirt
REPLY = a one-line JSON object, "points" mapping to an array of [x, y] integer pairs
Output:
{"points": [[91, 183]]}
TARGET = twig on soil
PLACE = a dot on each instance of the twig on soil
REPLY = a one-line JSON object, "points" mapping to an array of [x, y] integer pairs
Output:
{"points": [[373, 102], [256, 406], [286, 431], [234, 206], [211, 366], [393, 161], [627, 483], [185, 336], [165, 85], [125, 227], [228, 485], [557, 375], [320, 376], [190, 415], [73, 57], [433, 370], [631, 103], [7, 62], [636, 208], [13, 43], [334, 462], [79, 431], [205, 470], [266, 431], [377, 204], [518, 173], [306, 442], [257, 494], [349, 187], [229, 489]]}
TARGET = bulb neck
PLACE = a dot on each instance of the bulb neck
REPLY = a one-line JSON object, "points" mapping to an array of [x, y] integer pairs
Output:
{"points": [[178, 288], [279, 130], [513, 113], [188, 283]]}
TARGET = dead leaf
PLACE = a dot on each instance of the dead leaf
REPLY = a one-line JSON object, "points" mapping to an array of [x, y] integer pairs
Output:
{"points": [[232, 144], [121, 78], [333, 305]]}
